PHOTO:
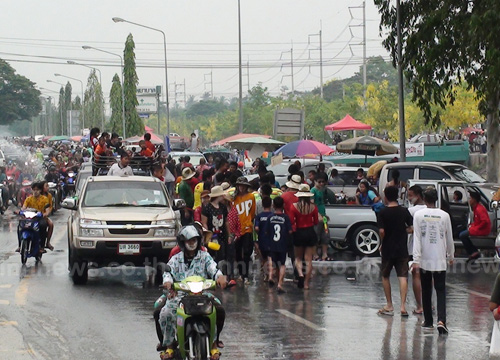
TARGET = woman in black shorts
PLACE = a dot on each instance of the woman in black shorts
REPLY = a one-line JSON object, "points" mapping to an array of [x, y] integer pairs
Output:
{"points": [[304, 217]]}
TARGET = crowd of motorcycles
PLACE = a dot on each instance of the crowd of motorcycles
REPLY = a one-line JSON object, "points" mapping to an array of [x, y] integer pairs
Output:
{"points": [[17, 179]]}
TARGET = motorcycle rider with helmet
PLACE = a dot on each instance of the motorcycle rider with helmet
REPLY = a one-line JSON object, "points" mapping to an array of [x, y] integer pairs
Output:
{"points": [[54, 177], [191, 261]]}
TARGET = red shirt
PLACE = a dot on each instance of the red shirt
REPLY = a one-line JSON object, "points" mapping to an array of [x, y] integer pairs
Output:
{"points": [[233, 220], [146, 152], [481, 226], [301, 221], [150, 146], [193, 182]]}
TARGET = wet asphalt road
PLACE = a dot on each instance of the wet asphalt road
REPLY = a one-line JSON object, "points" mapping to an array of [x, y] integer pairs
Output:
{"points": [[44, 316]]}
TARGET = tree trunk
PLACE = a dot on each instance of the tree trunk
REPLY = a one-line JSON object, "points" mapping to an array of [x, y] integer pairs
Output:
{"points": [[493, 137]]}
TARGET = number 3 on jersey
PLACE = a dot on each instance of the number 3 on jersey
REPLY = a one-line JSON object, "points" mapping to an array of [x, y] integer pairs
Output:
{"points": [[277, 232]]}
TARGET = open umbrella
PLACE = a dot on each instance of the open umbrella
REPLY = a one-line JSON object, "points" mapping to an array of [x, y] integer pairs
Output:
{"points": [[367, 145], [303, 148]]}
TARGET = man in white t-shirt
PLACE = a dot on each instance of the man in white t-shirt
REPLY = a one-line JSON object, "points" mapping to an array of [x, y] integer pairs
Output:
{"points": [[122, 167], [432, 247], [415, 197]]}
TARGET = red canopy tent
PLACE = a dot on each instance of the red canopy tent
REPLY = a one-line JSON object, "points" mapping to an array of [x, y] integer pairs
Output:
{"points": [[238, 137], [347, 123]]}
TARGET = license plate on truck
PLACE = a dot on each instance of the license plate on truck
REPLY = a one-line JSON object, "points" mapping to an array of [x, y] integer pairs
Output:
{"points": [[129, 249]]}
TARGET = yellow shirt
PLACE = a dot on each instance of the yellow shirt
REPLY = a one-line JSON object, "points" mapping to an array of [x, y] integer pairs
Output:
{"points": [[246, 206], [39, 203]]}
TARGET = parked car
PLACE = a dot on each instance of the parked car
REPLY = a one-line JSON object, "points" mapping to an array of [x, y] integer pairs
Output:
{"points": [[116, 221], [435, 171], [460, 211]]}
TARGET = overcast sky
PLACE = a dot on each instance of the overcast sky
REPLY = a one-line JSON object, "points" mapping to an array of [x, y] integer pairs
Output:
{"points": [[38, 37]]}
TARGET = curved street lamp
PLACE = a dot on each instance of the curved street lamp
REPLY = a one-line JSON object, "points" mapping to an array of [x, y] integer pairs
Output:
{"points": [[86, 47], [71, 62], [117, 20], [83, 99]]}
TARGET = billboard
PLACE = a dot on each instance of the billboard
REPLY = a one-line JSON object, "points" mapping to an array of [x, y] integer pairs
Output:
{"points": [[147, 99], [289, 122], [73, 122]]}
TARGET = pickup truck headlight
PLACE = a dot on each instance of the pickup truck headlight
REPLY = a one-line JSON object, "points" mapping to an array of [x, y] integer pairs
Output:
{"points": [[87, 230], [91, 232], [167, 231]]}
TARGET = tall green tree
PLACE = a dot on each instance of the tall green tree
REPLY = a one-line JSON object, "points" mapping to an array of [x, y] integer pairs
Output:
{"points": [[62, 112], [94, 102], [115, 103], [134, 124], [446, 43], [19, 100]]}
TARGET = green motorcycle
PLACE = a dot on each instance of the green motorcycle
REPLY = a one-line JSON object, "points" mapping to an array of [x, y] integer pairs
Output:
{"points": [[196, 318]]}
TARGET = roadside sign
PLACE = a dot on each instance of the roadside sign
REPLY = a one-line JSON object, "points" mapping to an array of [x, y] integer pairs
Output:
{"points": [[289, 122]]}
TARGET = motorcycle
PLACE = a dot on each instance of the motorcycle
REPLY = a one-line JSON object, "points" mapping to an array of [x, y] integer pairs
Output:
{"points": [[11, 183], [54, 190], [2, 208], [29, 234], [70, 183], [24, 191], [196, 318]]}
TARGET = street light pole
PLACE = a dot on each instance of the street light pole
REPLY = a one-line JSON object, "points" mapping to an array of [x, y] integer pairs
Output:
{"points": [[85, 47], [240, 98], [83, 99], [60, 110], [100, 81], [116, 20]]}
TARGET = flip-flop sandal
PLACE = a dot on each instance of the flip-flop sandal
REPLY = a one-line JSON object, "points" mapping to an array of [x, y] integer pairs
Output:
{"points": [[329, 259], [404, 314], [167, 354], [281, 291], [215, 354], [220, 344], [415, 312], [386, 312]]}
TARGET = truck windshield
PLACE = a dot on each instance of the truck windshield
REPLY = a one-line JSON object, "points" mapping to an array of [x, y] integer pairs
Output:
{"points": [[464, 174], [136, 194]]}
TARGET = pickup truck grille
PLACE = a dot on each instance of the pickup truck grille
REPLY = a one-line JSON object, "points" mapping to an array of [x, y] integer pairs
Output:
{"points": [[128, 231]]}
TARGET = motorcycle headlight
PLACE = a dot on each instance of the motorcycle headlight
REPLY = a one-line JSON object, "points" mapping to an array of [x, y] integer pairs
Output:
{"points": [[184, 286], [196, 287]]}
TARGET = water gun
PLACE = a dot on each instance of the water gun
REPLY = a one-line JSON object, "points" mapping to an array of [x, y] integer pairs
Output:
{"points": [[325, 224]]}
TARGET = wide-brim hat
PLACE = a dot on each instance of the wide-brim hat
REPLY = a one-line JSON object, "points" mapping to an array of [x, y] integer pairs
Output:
{"points": [[187, 173], [304, 191], [217, 191], [294, 182], [242, 181]]}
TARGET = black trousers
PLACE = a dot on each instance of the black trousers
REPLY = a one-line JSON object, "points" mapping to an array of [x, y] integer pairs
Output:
{"points": [[243, 253], [439, 278], [468, 245]]}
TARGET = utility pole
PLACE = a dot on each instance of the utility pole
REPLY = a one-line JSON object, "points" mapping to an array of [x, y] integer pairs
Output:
{"points": [[402, 133], [320, 57], [364, 45], [185, 99], [211, 83], [248, 74], [291, 65], [240, 85]]}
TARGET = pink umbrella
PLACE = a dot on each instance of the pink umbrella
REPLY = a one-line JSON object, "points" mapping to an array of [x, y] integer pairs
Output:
{"points": [[303, 148]]}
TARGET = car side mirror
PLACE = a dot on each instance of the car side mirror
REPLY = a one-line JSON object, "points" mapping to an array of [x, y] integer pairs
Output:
{"points": [[69, 203], [179, 204], [494, 205]]}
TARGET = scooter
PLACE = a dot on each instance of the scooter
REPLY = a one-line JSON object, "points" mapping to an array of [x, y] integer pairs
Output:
{"points": [[24, 191], [196, 315], [70, 183], [54, 190], [29, 234]]}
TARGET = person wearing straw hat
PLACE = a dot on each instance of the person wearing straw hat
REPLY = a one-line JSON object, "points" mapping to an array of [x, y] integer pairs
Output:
{"points": [[205, 199], [245, 204], [304, 217], [214, 218], [186, 192]]}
